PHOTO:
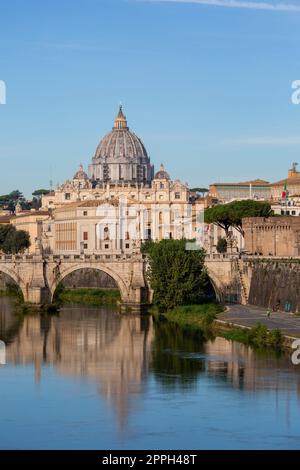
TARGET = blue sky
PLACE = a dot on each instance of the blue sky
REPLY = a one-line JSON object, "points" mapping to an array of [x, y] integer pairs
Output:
{"points": [[205, 84]]}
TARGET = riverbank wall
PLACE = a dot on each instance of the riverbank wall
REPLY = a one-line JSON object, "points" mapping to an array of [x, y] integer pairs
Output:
{"points": [[225, 326]]}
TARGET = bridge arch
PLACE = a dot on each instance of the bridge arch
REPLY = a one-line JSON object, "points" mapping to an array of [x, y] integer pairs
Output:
{"points": [[217, 285], [16, 279], [124, 291]]}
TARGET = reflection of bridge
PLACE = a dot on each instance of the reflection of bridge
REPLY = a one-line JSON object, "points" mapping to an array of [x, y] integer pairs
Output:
{"points": [[38, 276], [110, 349]]}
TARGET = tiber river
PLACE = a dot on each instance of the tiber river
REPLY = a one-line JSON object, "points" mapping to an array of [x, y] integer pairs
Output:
{"points": [[91, 378]]}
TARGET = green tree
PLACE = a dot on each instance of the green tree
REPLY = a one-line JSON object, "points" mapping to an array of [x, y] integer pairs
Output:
{"points": [[177, 276], [13, 241], [232, 214], [9, 201], [219, 215], [248, 208], [40, 192], [222, 245], [37, 197], [201, 191], [4, 230]]}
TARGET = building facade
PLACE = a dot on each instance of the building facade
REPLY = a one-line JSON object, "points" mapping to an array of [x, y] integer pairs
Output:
{"points": [[227, 192], [120, 203]]}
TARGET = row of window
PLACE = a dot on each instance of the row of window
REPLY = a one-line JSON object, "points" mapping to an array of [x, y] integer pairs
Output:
{"points": [[288, 212], [106, 246], [177, 195]]}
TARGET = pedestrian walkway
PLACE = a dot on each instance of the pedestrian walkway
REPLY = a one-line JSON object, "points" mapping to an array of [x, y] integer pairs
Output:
{"points": [[247, 315]]}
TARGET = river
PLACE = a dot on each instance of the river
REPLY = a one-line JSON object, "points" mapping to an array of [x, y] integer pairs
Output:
{"points": [[91, 378]]}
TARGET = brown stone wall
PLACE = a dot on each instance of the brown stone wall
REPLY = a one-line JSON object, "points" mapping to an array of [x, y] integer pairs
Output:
{"points": [[275, 236], [275, 284]]}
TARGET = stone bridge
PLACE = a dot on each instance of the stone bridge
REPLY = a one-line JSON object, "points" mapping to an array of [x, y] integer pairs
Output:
{"points": [[255, 280], [228, 277], [270, 282], [38, 276]]}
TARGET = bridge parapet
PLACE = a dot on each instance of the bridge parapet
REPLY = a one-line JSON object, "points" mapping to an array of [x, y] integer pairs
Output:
{"points": [[38, 276]]}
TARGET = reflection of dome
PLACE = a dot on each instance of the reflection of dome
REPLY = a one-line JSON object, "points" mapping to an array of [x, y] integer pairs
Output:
{"points": [[162, 174], [121, 156], [80, 174], [121, 143]]}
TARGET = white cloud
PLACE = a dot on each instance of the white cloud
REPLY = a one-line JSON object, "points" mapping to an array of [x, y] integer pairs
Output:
{"points": [[250, 5], [264, 140]]}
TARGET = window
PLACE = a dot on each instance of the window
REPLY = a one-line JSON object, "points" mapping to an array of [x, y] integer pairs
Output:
{"points": [[85, 245], [85, 235], [106, 233], [177, 195], [127, 245], [148, 234], [67, 196], [106, 246], [161, 185], [85, 213]]}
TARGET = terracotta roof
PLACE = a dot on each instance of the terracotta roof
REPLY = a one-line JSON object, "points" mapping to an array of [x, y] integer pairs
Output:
{"points": [[28, 213], [257, 182], [293, 180]]}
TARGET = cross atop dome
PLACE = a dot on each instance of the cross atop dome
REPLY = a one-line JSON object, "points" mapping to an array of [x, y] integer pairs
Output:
{"points": [[120, 121]]}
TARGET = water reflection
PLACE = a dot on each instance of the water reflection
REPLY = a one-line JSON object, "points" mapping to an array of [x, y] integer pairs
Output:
{"points": [[120, 354], [96, 344], [179, 358]]}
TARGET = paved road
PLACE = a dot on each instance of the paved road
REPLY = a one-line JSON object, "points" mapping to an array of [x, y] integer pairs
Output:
{"points": [[249, 316]]}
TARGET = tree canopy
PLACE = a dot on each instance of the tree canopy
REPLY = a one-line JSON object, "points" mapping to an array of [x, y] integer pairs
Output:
{"points": [[40, 192], [231, 215], [177, 276], [200, 190], [13, 241], [9, 201]]}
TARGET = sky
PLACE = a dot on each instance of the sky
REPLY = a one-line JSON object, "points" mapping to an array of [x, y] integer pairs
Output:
{"points": [[206, 84]]}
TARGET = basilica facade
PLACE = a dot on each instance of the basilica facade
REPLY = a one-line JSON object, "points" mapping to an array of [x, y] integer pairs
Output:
{"points": [[119, 203]]}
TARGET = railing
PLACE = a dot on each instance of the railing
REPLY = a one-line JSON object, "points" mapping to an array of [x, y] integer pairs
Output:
{"points": [[220, 256], [112, 257], [246, 257]]}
